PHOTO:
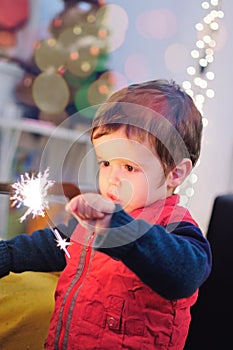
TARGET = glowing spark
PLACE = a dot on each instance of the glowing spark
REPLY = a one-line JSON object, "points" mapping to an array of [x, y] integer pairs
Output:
{"points": [[61, 242], [31, 192]]}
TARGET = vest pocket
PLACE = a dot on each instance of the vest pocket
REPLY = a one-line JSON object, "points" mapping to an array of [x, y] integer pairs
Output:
{"points": [[114, 313], [134, 327]]}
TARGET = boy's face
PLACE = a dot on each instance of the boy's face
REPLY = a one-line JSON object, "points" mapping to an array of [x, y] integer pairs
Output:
{"points": [[129, 173]]}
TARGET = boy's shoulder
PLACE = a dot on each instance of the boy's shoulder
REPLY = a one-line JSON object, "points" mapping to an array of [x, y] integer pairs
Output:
{"points": [[164, 212], [173, 212]]}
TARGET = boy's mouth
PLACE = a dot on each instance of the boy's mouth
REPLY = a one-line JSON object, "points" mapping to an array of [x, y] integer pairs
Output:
{"points": [[113, 197]]}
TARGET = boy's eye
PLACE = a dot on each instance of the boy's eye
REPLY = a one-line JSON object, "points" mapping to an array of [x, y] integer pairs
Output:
{"points": [[104, 163], [129, 167]]}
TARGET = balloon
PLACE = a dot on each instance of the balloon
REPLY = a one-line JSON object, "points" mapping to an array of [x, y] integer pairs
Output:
{"points": [[50, 92], [100, 90], [7, 38], [49, 53], [72, 16], [82, 63]]}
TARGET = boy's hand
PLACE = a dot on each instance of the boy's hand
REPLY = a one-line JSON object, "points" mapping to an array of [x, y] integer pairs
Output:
{"points": [[92, 210]]}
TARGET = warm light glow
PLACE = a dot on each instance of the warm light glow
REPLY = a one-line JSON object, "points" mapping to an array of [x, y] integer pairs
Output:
{"points": [[186, 85], [57, 22], [205, 5], [210, 75], [85, 66], [200, 98], [94, 51], [199, 26], [193, 178], [102, 33], [203, 62], [214, 2], [214, 26], [210, 93], [51, 42], [200, 44], [74, 56], [195, 53], [91, 18], [191, 70], [103, 89], [189, 191], [77, 30]]}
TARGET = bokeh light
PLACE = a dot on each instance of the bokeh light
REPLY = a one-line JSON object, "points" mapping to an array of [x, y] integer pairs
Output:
{"points": [[99, 91], [115, 79], [81, 63], [48, 53], [50, 92], [136, 66], [115, 18]]}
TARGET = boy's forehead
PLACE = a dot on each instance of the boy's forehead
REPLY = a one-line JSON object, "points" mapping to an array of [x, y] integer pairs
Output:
{"points": [[117, 147]]}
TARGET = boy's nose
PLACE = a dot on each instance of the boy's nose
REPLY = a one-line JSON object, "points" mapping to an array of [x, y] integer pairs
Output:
{"points": [[114, 178]]}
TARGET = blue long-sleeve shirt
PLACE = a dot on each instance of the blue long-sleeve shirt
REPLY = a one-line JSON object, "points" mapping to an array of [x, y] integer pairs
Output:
{"points": [[174, 261]]}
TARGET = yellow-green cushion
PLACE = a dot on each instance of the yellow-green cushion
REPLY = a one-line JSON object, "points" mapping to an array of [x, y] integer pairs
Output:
{"points": [[26, 305]]}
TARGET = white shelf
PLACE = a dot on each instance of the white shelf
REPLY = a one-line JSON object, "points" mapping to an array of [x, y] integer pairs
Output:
{"points": [[45, 129]]}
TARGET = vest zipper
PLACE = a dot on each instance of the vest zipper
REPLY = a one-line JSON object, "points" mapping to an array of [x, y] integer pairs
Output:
{"points": [[62, 333]]}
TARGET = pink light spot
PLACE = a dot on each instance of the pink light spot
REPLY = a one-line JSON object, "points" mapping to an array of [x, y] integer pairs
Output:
{"points": [[157, 24], [136, 67]]}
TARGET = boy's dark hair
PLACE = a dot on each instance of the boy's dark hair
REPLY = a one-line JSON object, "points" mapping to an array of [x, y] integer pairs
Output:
{"points": [[159, 111]]}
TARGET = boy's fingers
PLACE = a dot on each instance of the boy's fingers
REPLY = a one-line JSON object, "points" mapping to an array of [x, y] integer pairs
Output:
{"points": [[103, 225], [90, 205]]}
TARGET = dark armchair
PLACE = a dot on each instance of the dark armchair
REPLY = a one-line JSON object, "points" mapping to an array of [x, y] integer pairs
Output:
{"points": [[212, 316]]}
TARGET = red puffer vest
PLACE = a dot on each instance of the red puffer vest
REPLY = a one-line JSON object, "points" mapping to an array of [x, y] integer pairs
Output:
{"points": [[101, 304]]}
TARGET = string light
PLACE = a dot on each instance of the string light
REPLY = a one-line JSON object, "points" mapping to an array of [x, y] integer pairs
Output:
{"points": [[198, 86], [200, 76]]}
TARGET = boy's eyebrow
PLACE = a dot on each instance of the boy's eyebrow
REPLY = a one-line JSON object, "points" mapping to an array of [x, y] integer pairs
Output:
{"points": [[98, 156], [126, 160]]}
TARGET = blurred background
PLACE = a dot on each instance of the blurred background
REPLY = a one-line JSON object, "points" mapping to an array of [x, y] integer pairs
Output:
{"points": [[58, 58]]}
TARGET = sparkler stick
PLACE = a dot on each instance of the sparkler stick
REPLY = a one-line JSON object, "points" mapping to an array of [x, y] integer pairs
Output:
{"points": [[61, 242]]}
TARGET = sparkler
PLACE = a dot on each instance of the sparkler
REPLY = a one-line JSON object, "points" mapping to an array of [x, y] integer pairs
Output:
{"points": [[32, 192]]}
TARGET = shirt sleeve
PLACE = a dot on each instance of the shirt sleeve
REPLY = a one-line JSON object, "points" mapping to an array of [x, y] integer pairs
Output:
{"points": [[36, 252], [174, 261]]}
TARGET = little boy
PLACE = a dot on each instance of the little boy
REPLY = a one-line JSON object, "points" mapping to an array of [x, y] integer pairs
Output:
{"points": [[137, 258]]}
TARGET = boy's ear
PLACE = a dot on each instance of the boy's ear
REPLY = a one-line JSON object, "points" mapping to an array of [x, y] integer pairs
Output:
{"points": [[178, 174]]}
